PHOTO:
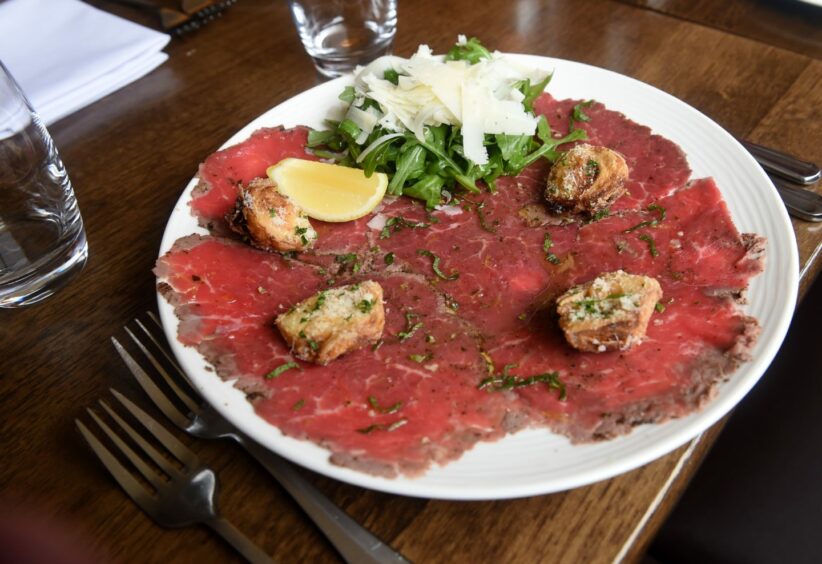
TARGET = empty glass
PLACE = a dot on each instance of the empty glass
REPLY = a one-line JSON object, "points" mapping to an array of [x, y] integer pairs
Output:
{"points": [[42, 240], [338, 35]]}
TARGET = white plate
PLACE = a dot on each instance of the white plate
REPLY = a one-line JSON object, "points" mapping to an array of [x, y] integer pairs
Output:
{"points": [[537, 461]]}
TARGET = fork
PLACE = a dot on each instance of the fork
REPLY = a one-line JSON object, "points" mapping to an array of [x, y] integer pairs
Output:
{"points": [[182, 496], [352, 541]]}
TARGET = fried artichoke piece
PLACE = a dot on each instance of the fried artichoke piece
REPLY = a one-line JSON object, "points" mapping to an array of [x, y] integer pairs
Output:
{"points": [[585, 180], [334, 322], [610, 312], [269, 219]]}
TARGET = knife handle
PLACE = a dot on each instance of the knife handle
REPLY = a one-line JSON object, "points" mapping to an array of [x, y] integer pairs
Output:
{"points": [[354, 543], [782, 164]]}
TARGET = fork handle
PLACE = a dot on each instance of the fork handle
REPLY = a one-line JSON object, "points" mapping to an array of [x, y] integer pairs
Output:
{"points": [[354, 543], [239, 541]]}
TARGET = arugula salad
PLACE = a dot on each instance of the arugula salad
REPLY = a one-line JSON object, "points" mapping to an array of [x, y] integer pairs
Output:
{"points": [[438, 126]]}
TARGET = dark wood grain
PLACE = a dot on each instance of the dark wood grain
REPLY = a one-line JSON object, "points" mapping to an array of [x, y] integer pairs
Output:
{"points": [[131, 154], [789, 24]]}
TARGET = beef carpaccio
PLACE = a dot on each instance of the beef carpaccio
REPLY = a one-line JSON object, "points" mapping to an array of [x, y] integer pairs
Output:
{"points": [[460, 344]]}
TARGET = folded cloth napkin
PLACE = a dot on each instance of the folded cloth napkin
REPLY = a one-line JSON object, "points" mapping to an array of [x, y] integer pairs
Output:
{"points": [[66, 54]]}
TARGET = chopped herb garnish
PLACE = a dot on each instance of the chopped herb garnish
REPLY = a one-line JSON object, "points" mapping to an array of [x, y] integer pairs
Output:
{"points": [[346, 258], [272, 212], [505, 381], [388, 258], [261, 290], [522, 316], [420, 358], [382, 427], [377, 407], [301, 231], [430, 338], [577, 115], [377, 345], [652, 222], [320, 301], [365, 305], [435, 265], [659, 307], [411, 326], [298, 405], [394, 224], [280, 369], [349, 260], [547, 243], [651, 244], [658, 208], [620, 246], [591, 168], [479, 208], [601, 214], [311, 343]]}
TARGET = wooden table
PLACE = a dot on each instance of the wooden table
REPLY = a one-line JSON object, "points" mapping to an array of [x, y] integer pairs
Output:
{"points": [[131, 154]]}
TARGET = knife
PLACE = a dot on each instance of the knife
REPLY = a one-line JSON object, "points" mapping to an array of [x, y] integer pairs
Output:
{"points": [[782, 164], [801, 203]]}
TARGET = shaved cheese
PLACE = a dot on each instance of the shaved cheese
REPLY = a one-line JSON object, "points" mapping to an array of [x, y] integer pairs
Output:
{"points": [[365, 120], [377, 222], [480, 99]]}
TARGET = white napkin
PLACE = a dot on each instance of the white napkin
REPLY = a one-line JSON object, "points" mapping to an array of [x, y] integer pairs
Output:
{"points": [[66, 54]]}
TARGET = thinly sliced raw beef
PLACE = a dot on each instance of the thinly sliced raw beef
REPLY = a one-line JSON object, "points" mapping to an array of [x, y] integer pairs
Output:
{"points": [[469, 295], [219, 175], [429, 378], [696, 243], [702, 263], [412, 401], [689, 348], [491, 265], [226, 295]]}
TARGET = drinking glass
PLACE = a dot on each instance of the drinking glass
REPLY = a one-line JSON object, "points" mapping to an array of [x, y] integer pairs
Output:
{"points": [[338, 35], [42, 240]]}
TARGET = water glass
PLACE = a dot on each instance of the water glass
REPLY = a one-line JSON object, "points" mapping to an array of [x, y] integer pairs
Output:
{"points": [[42, 240], [338, 35]]}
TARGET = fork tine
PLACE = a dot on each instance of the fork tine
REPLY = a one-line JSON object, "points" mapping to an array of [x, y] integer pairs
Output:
{"points": [[123, 477], [190, 403], [135, 458], [148, 385], [178, 449], [148, 473], [162, 349]]}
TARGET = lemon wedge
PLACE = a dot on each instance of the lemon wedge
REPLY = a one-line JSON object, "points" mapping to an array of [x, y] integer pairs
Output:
{"points": [[328, 192]]}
